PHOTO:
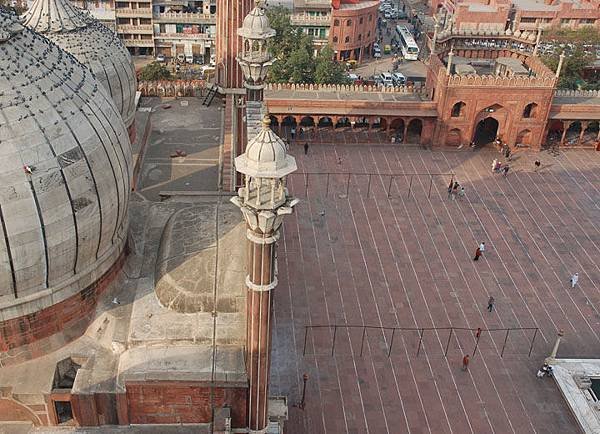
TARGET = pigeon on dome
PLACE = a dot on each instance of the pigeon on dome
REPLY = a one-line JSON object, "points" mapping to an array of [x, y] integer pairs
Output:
{"points": [[91, 43]]}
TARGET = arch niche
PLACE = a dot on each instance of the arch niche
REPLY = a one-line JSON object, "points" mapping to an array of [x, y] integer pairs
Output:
{"points": [[307, 121], [486, 131], [454, 137], [397, 126], [413, 131], [325, 122], [524, 138]]}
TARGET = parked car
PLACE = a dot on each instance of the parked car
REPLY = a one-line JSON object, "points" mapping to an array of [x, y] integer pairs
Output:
{"points": [[376, 53], [161, 58], [189, 58], [398, 78], [386, 79]]}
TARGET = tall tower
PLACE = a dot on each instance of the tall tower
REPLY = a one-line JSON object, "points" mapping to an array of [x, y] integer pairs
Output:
{"points": [[255, 58], [264, 201], [230, 15]]}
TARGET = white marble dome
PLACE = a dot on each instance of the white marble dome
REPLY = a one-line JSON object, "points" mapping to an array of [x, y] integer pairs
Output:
{"points": [[65, 171], [93, 44], [266, 155], [256, 24]]}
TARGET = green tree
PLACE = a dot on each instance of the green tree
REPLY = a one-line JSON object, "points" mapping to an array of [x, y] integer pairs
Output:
{"points": [[578, 46], [328, 70], [155, 71]]}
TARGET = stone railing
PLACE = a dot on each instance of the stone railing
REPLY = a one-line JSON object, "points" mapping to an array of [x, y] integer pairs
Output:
{"points": [[491, 80], [525, 36], [341, 88], [577, 93], [172, 88], [184, 17], [183, 35], [307, 20]]}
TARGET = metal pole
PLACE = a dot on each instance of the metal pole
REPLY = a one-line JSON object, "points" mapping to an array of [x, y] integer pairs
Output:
{"points": [[391, 343], [362, 342], [306, 185], [305, 339], [369, 185], [410, 185], [430, 184], [504, 345], [390, 186], [333, 344], [302, 403], [327, 192], [448, 343], [477, 336], [348, 184], [420, 341], [532, 341]]}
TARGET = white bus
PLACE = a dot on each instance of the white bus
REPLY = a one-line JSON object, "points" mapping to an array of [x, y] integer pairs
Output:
{"points": [[409, 47]]}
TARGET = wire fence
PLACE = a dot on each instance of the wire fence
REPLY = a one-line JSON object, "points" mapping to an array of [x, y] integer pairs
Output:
{"points": [[368, 184], [496, 339]]}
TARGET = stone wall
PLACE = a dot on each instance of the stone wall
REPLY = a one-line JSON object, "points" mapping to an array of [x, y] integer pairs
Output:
{"points": [[46, 330], [172, 88], [181, 402]]}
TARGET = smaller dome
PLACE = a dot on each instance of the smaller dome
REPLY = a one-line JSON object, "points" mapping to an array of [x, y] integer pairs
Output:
{"points": [[266, 155], [256, 24]]}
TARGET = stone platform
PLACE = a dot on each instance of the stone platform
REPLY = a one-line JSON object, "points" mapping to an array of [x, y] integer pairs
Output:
{"points": [[407, 261]]}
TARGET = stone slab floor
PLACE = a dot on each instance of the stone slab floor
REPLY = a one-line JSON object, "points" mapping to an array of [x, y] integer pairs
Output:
{"points": [[407, 261]]}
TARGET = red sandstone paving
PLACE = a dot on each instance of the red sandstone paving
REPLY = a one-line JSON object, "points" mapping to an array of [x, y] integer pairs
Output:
{"points": [[406, 261]]}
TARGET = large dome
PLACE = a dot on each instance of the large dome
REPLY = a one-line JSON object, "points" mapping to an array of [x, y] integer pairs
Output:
{"points": [[65, 170], [94, 45]]}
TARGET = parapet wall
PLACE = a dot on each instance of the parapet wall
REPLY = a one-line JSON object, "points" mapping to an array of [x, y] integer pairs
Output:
{"points": [[172, 88], [578, 93], [493, 81], [343, 88]]}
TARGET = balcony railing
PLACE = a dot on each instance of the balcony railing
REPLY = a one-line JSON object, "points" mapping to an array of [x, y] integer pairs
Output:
{"points": [[137, 29], [126, 12], [184, 17], [310, 20], [138, 42], [204, 36]]}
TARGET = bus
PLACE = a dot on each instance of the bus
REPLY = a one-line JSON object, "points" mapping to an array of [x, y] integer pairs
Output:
{"points": [[409, 47]]}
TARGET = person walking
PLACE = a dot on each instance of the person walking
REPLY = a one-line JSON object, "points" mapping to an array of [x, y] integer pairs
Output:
{"points": [[490, 304], [305, 148], [461, 192], [477, 254], [537, 164], [478, 333], [505, 171], [465, 364], [482, 247], [494, 164], [574, 280], [450, 189], [293, 132], [455, 189]]}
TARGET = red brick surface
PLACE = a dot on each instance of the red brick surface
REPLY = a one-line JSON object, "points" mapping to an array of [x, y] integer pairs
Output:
{"points": [[406, 261], [183, 403], [26, 335], [12, 411]]}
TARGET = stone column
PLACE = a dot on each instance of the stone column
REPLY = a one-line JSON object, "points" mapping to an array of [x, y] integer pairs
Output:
{"points": [[564, 134]]}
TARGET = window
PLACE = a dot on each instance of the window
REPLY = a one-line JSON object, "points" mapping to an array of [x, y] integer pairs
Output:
{"points": [[348, 23], [335, 39], [368, 34], [530, 110], [528, 20], [370, 18], [360, 37], [336, 22], [458, 109], [587, 21], [360, 21], [565, 22], [347, 39]]}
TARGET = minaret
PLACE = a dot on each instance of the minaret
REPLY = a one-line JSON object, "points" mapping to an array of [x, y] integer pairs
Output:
{"points": [[230, 15], [264, 201], [255, 58]]}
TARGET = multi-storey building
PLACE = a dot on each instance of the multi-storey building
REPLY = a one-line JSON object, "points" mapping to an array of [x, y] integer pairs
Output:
{"points": [[517, 14], [167, 27], [348, 26]]}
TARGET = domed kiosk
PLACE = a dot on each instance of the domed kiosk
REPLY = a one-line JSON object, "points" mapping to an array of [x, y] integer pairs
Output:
{"points": [[65, 171], [94, 45]]}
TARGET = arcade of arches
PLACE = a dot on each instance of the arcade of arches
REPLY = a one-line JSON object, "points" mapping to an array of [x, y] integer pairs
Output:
{"points": [[322, 129]]}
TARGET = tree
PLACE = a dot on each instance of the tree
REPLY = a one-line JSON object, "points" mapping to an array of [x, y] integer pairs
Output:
{"points": [[577, 46], [294, 54], [328, 70], [18, 9], [155, 71]]}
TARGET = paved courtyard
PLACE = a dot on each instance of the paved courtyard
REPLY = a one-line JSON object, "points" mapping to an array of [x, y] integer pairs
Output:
{"points": [[381, 255]]}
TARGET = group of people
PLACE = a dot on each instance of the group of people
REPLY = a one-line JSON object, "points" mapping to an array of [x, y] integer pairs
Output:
{"points": [[455, 189]]}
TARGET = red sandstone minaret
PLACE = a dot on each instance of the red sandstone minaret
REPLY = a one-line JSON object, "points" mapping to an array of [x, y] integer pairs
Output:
{"points": [[264, 201], [230, 15]]}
